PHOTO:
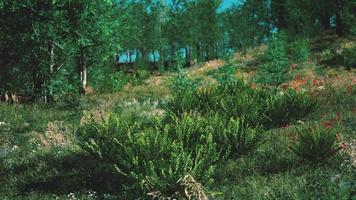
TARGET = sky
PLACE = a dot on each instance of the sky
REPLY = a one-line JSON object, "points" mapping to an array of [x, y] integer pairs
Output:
{"points": [[225, 3], [228, 3]]}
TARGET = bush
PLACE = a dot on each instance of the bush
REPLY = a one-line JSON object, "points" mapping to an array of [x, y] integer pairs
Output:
{"points": [[108, 81], [64, 85], [181, 83], [288, 106], [233, 136], [315, 142], [153, 159], [271, 108], [349, 58], [239, 139], [233, 99], [183, 89], [224, 74], [275, 69], [239, 100], [300, 50]]}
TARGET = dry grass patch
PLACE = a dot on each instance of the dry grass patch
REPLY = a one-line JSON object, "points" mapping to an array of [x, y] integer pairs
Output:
{"points": [[57, 133]]}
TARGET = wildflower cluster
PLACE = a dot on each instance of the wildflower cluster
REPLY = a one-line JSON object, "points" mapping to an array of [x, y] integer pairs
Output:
{"points": [[329, 120]]}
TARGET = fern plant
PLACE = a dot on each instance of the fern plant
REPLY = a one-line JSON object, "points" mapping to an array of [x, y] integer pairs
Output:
{"points": [[286, 106], [315, 143], [155, 158], [240, 139]]}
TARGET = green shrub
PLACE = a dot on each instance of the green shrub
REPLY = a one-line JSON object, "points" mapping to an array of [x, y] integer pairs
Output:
{"points": [[239, 139], [139, 76], [183, 89], [349, 57], [233, 99], [116, 82], [315, 142], [270, 108], [275, 69], [181, 83], [233, 136], [288, 106], [106, 80], [153, 159], [300, 50], [224, 74], [239, 100]]}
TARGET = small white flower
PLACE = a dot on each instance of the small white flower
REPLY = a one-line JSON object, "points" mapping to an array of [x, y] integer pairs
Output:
{"points": [[321, 87], [300, 122], [281, 93], [155, 104]]}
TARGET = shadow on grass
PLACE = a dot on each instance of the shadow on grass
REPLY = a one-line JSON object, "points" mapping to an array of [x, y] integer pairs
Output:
{"points": [[62, 175]]}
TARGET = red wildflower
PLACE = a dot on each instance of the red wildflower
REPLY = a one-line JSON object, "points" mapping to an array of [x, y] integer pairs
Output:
{"points": [[317, 82], [285, 126], [327, 124], [342, 145], [349, 88]]}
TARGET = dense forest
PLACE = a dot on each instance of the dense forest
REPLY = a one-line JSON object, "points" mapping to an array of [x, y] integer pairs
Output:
{"points": [[177, 99]]}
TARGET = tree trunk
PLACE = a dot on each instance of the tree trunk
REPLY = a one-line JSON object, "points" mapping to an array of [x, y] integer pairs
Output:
{"points": [[154, 56], [38, 83], [82, 70], [187, 55], [198, 52], [208, 53], [162, 58], [339, 22], [325, 20], [174, 55], [129, 56], [49, 95]]}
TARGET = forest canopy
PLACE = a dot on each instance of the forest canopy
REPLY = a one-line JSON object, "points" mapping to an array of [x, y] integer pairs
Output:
{"points": [[46, 43]]}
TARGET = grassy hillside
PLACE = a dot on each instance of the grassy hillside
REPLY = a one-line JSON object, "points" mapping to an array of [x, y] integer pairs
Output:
{"points": [[42, 156]]}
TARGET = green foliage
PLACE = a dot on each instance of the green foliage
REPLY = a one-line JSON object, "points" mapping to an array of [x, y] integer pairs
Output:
{"points": [[349, 57], [155, 158], [236, 99], [181, 83], [232, 136], [152, 159], [64, 87], [239, 139], [53, 36], [142, 74], [224, 74], [300, 50], [106, 80], [315, 142], [275, 69], [288, 106], [139, 76], [243, 29]]}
